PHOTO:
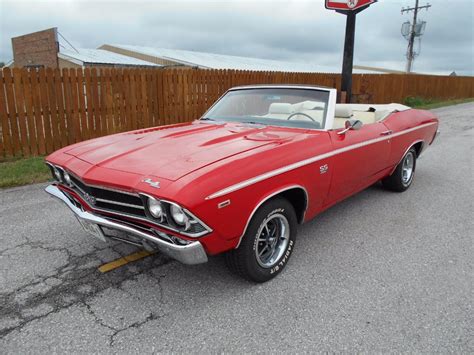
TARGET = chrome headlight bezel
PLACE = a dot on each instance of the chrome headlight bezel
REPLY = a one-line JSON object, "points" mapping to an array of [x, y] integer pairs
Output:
{"points": [[67, 178], [176, 218], [155, 208], [179, 216], [57, 174]]}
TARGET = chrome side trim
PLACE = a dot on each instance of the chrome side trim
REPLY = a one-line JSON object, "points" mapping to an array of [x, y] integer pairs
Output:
{"points": [[308, 161], [266, 198], [192, 253]]}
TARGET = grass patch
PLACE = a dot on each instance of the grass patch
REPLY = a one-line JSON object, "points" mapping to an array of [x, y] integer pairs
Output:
{"points": [[23, 172], [429, 104]]}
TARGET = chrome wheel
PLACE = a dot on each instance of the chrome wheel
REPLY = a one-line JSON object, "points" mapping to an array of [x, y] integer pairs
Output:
{"points": [[407, 168], [272, 240]]}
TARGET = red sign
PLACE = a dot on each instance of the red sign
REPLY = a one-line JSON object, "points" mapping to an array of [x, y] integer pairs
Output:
{"points": [[347, 5]]}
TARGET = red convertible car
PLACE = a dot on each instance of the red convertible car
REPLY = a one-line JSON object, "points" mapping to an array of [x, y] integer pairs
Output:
{"points": [[240, 179]]}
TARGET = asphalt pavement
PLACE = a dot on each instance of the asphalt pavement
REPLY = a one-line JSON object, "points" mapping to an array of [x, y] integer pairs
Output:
{"points": [[379, 272]]}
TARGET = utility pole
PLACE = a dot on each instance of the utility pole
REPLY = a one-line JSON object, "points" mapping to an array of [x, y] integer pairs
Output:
{"points": [[411, 40]]}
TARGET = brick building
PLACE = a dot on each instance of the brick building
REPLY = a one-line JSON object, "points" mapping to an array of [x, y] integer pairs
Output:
{"points": [[42, 49], [38, 49]]}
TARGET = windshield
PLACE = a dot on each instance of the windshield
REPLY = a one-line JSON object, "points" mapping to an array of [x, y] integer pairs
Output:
{"points": [[287, 107]]}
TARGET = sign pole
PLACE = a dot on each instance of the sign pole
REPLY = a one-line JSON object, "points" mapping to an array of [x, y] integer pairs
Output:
{"points": [[349, 8], [348, 60]]}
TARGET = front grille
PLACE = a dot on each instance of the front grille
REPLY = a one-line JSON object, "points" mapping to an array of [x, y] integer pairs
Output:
{"points": [[126, 204], [109, 200]]}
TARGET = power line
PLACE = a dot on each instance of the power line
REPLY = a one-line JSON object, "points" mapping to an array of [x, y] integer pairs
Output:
{"points": [[413, 33], [67, 42]]}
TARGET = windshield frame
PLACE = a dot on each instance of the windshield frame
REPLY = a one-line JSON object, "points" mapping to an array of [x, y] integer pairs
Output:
{"points": [[329, 119]]}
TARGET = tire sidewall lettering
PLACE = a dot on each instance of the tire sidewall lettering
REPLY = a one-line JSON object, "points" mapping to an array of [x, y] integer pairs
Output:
{"points": [[284, 259]]}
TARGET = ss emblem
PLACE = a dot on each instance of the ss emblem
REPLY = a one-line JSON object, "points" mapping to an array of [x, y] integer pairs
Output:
{"points": [[323, 169]]}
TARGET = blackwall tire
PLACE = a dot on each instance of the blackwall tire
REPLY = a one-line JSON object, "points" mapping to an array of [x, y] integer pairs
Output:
{"points": [[267, 244], [403, 176]]}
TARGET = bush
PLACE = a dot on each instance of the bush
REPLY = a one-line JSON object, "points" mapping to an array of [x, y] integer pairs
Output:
{"points": [[417, 101]]}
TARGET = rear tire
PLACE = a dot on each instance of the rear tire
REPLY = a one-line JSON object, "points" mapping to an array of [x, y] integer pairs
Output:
{"points": [[267, 243], [403, 176]]}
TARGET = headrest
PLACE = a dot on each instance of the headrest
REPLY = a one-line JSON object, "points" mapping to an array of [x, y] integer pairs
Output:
{"points": [[280, 107], [343, 111], [308, 105]]}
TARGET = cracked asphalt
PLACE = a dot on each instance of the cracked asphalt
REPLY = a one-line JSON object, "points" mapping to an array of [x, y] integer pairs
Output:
{"points": [[379, 272]]}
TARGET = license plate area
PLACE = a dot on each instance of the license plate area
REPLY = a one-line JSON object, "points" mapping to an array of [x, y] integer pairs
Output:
{"points": [[92, 229]]}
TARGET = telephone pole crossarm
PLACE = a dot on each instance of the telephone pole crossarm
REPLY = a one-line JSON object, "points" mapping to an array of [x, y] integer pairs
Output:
{"points": [[408, 9]]}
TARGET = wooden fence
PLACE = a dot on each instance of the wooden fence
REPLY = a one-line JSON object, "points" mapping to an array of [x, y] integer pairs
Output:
{"points": [[43, 110]]}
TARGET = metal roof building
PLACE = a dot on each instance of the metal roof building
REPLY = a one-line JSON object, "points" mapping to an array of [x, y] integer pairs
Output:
{"points": [[179, 57], [84, 57]]}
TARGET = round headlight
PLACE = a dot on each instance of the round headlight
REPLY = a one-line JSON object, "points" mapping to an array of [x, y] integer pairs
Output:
{"points": [[67, 178], [179, 217], [57, 173], [155, 208]]}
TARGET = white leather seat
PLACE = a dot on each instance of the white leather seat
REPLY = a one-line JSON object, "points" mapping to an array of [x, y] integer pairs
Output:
{"points": [[343, 111], [280, 110], [308, 105], [367, 114]]}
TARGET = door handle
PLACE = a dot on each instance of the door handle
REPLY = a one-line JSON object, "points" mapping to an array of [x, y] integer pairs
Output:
{"points": [[386, 133]]}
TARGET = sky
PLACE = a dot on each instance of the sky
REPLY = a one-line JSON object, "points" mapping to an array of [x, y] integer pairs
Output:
{"points": [[290, 30]]}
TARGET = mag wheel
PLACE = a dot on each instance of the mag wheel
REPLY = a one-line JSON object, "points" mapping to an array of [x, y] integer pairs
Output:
{"points": [[267, 244], [402, 177]]}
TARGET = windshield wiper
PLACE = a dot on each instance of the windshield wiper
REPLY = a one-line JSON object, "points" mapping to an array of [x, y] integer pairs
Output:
{"points": [[255, 123], [206, 119]]}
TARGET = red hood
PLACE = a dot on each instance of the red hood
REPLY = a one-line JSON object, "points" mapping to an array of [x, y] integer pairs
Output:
{"points": [[172, 152]]}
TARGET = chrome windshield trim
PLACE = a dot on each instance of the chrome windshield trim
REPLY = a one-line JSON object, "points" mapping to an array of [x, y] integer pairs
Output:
{"points": [[308, 161], [281, 86]]}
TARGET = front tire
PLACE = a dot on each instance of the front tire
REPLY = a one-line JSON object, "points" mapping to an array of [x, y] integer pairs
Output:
{"points": [[402, 177], [267, 243]]}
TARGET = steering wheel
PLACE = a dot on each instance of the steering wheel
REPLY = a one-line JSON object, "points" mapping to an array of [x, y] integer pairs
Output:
{"points": [[300, 114]]}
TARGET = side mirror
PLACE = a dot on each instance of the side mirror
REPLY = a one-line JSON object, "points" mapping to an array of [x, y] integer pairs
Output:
{"points": [[351, 125]]}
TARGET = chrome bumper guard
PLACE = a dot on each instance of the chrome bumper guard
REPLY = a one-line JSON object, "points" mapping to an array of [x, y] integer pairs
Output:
{"points": [[190, 254]]}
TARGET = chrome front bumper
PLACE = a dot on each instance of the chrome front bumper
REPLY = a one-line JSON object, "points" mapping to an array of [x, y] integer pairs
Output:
{"points": [[190, 254]]}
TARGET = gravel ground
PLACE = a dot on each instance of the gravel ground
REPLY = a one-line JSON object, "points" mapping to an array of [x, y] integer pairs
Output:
{"points": [[379, 272]]}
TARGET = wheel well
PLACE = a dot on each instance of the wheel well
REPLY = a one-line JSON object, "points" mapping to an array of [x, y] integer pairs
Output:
{"points": [[418, 147], [299, 200]]}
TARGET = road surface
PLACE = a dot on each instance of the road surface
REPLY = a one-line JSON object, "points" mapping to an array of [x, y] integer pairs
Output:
{"points": [[379, 272]]}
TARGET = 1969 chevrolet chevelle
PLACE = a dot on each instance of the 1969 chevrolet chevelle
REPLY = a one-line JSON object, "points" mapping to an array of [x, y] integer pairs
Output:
{"points": [[240, 179]]}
